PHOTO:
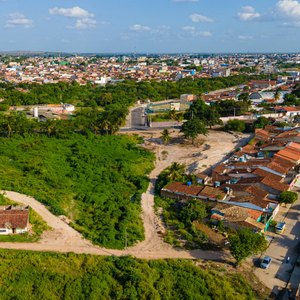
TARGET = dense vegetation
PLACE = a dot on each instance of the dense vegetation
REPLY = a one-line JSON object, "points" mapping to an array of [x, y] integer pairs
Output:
{"points": [[51, 276], [179, 219], [126, 92], [96, 181], [288, 197], [246, 243], [294, 97]]}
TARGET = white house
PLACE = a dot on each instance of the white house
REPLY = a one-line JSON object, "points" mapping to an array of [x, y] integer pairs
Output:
{"points": [[14, 220]]}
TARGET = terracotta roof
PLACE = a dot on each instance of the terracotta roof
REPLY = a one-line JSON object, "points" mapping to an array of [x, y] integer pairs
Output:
{"points": [[287, 108], [262, 133], [212, 192], [254, 214], [264, 173], [249, 149], [275, 184], [276, 166], [220, 168], [256, 191], [270, 128], [201, 176], [295, 146], [14, 218], [179, 187], [287, 134], [253, 163], [289, 155], [249, 180], [234, 213]]}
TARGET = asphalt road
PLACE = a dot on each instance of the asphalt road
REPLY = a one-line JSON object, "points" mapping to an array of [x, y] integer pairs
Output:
{"points": [[282, 270]]}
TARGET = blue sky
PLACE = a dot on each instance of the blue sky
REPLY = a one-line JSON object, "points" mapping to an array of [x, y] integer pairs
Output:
{"points": [[150, 25]]}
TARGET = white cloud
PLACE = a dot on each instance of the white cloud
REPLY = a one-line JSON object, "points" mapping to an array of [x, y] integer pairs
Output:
{"points": [[197, 18], [84, 19], [73, 12], [188, 28], [204, 33], [85, 23], [161, 30], [139, 28], [192, 31], [248, 13], [245, 37], [18, 20], [289, 8]]}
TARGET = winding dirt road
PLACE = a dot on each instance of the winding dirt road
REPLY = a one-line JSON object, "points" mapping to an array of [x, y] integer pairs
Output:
{"points": [[63, 238]]}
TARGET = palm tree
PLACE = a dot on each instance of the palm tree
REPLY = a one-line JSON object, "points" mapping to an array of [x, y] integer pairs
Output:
{"points": [[175, 171], [165, 136]]}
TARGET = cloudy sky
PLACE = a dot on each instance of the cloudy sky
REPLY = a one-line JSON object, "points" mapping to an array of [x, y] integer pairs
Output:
{"points": [[150, 25]]}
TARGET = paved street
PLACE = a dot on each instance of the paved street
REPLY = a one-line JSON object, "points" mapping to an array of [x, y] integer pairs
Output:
{"points": [[282, 247]]}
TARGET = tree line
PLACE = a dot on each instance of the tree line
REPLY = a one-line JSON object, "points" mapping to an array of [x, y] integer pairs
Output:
{"points": [[126, 92]]}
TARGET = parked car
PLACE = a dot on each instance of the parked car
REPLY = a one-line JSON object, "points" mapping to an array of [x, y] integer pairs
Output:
{"points": [[265, 263], [280, 227]]}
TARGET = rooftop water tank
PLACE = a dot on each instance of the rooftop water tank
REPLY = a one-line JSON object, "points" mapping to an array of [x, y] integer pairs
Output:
{"points": [[217, 183]]}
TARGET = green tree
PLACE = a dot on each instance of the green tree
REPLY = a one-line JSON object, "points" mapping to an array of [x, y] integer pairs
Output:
{"points": [[192, 128], [246, 243], [194, 210], [288, 197], [261, 122], [243, 97], [235, 125], [277, 94], [175, 171], [165, 136]]}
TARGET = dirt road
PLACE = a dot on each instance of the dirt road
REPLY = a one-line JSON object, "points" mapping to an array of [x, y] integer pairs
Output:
{"points": [[63, 238]]}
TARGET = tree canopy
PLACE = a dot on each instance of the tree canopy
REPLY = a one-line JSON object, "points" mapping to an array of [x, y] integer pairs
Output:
{"points": [[288, 197], [246, 243], [193, 128], [235, 125]]}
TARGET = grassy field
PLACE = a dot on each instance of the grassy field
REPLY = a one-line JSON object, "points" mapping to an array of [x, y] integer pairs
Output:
{"points": [[51, 276], [95, 181]]}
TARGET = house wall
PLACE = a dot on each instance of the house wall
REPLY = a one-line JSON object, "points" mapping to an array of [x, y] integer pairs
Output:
{"points": [[6, 231], [21, 230]]}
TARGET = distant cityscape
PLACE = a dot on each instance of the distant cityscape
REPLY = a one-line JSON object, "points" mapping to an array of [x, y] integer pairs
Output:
{"points": [[103, 69]]}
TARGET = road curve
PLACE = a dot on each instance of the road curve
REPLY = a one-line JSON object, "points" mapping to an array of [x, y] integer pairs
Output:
{"points": [[63, 238]]}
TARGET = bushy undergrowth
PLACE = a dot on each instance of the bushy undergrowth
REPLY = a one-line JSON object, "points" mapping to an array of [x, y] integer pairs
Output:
{"points": [[96, 181], [25, 275]]}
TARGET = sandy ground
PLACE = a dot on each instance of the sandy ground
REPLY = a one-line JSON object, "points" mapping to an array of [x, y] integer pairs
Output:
{"points": [[207, 152]]}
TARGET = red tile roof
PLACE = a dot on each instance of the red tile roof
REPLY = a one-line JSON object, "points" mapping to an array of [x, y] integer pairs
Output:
{"points": [[275, 184], [257, 192], [295, 146], [14, 218], [179, 187], [264, 173], [211, 192]]}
